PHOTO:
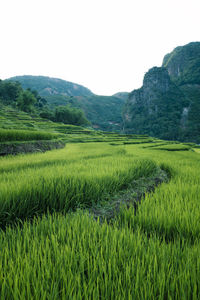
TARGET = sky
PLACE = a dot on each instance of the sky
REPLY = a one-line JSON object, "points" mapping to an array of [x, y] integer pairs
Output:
{"points": [[105, 45]]}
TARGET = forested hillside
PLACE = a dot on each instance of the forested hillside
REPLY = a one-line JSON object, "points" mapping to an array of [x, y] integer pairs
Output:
{"points": [[104, 112], [168, 104]]}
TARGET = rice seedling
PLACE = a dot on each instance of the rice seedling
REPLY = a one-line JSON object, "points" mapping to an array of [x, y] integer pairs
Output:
{"points": [[64, 184], [153, 254], [24, 135], [74, 257]]}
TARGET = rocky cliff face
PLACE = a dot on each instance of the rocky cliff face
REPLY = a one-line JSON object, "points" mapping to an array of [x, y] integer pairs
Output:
{"points": [[183, 64], [168, 103]]}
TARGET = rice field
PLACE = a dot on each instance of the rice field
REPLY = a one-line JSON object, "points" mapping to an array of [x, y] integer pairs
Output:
{"points": [[63, 253], [63, 180], [7, 135]]}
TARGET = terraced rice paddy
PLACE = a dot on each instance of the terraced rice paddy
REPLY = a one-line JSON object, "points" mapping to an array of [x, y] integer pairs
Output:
{"points": [[66, 254]]}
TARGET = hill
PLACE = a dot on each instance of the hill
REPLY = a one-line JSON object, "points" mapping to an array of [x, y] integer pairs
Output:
{"points": [[46, 86], [104, 112], [168, 104], [183, 64]]}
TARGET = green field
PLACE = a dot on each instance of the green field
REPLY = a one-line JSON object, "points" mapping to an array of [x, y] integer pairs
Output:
{"points": [[53, 248]]}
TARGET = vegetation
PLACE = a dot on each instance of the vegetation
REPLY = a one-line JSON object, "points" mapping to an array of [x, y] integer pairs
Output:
{"points": [[47, 85], [184, 64], [65, 114], [168, 104], [150, 254], [70, 115], [25, 135], [110, 216], [70, 185], [161, 112], [104, 112], [11, 93]]}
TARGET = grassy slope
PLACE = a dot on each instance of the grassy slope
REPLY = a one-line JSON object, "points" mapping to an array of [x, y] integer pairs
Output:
{"points": [[12, 119], [151, 255]]}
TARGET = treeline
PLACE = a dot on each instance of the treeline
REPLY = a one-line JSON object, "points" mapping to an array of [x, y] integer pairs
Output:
{"points": [[12, 93], [65, 114]]}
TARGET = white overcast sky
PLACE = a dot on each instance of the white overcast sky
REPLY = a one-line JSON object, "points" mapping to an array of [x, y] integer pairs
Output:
{"points": [[105, 45]]}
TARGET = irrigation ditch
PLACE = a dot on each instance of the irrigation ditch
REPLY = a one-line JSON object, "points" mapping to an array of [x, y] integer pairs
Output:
{"points": [[110, 206]]}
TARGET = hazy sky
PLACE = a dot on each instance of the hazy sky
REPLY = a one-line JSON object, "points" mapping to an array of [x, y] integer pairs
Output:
{"points": [[105, 45]]}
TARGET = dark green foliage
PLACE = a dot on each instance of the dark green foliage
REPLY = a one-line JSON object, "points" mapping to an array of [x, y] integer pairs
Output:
{"points": [[40, 100], [47, 114], [157, 110], [70, 115], [191, 130], [51, 86], [104, 112], [9, 91], [183, 64], [168, 104], [26, 101]]}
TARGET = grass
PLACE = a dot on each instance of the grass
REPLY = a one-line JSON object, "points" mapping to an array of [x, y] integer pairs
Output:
{"points": [[7, 135], [16, 121], [153, 254], [74, 257], [50, 184]]}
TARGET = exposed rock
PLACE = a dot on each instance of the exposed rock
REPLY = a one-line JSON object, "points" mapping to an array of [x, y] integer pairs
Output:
{"points": [[168, 104]]}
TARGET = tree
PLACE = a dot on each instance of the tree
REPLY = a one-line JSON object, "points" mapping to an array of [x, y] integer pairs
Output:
{"points": [[40, 100], [26, 101], [70, 115], [10, 91]]}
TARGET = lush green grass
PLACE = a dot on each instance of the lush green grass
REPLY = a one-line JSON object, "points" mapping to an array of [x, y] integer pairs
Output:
{"points": [[62, 181], [153, 254], [74, 257], [12, 119], [25, 135], [173, 210]]}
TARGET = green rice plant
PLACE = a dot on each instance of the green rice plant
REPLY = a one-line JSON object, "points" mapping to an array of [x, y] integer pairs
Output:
{"points": [[74, 257], [48, 185], [172, 211], [152, 253], [24, 135]]}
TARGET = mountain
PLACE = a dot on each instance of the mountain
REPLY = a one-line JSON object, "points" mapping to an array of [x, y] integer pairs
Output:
{"points": [[46, 86], [183, 64], [168, 104], [104, 112]]}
